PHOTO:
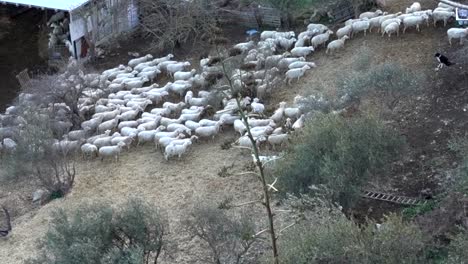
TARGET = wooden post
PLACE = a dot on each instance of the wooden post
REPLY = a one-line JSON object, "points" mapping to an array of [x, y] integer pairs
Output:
{"points": [[454, 4]]}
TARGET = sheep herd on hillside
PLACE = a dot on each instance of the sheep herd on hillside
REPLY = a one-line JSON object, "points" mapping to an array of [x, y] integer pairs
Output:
{"points": [[124, 112]]}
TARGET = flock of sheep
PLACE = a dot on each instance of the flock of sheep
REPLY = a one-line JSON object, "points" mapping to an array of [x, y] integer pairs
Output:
{"points": [[124, 112]]}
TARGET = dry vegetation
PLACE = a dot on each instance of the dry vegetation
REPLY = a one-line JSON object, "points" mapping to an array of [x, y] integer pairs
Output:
{"points": [[211, 173]]}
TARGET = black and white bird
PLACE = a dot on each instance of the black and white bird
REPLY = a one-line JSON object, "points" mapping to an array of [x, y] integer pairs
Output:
{"points": [[442, 61]]}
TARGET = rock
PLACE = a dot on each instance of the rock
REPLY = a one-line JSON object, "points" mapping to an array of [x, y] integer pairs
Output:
{"points": [[38, 196], [134, 54]]}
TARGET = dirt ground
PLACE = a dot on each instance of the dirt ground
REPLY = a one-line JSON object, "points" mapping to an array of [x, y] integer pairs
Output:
{"points": [[173, 186], [427, 121]]}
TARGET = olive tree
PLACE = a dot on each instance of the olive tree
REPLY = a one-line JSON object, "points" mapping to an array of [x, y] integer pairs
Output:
{"points": [[97, 233], [341, 154]]}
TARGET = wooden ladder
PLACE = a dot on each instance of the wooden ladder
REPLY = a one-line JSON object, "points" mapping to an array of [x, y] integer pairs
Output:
{"points": [[391, 198]]}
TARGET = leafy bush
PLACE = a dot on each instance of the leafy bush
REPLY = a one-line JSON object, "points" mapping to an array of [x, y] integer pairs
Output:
{"points": [[412, 212], [330, 237], [458, 252], [339, 153], [228, 238], [99, 234], [35, 156]]}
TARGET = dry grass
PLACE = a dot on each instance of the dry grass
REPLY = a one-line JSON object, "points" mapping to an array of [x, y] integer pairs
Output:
{"points": [[174, 186]]}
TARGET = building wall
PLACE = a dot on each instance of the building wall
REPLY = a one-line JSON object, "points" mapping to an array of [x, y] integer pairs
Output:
{"points": [[106, 20]]}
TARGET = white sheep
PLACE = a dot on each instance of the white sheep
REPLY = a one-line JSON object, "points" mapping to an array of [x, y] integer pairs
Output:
{"points": [[150, 75], [194, 101], [89, 150], [277, 140], [302, 51], [127, 140], [104, 116], [129, 131], [193, 116], [177, 67], [130, 115], [285, 62], [393, 27], [163, 65], [149, 125], [279, 113], [175, 150], [239, 126], [292, 112], [336, 44], [111, 151], [137, 83], [9, 145], [192, 125], [103, 141], [174, 108], [442, 15], [412, 21], [260, 122], [108, 125], [135, 62], [149, 135], [245, 46], [321, 39], [457, 33], [207, 122], [295, 74], [274, 34], [257, 107], [180, 75], [388, 22], [245, 141], [344, 31], [160, 134], [359, 26], [77, 134], [165, 141], [416, 6], [285, 43], [228, 119], [167, 121], [371, 14], [261, 131], [373, 23], [317, 28], [208, 131], [180, 87], [299, 123], [173, 127], [131, 123], [300, 64]]}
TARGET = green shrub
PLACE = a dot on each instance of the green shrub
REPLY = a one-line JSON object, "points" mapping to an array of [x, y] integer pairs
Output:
{"points": [[333, 238], [99, 234], [228, 238], [457, 250], [339, 153], [413, 211]]}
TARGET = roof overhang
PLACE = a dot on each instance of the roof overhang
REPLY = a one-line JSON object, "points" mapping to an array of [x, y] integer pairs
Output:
{"points": [[65, 5]]}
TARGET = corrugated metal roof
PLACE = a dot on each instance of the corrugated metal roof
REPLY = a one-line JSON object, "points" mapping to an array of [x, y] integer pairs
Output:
{"points": [[66, 5]]}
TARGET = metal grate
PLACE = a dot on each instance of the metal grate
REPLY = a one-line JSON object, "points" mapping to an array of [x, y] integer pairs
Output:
{"points": [[343, 12], [23, 78], [391, 198]]}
